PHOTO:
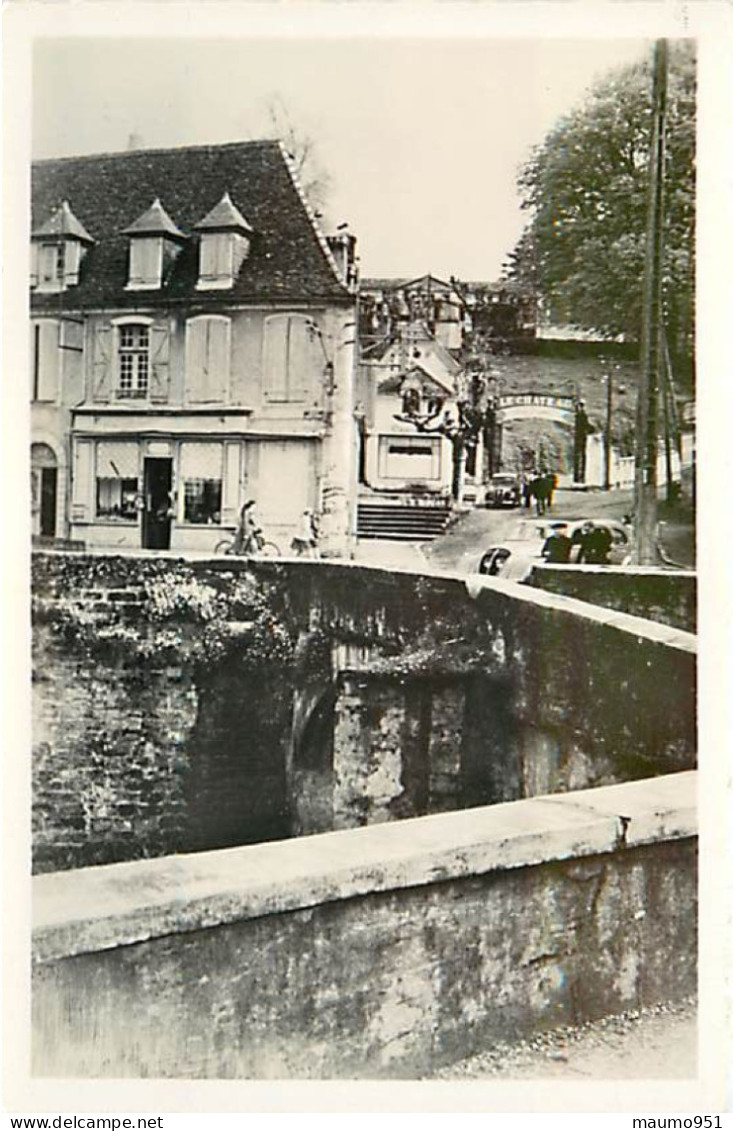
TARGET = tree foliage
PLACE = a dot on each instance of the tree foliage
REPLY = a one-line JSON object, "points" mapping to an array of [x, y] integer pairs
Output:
{"points": [[303, 150], [586, 190]]}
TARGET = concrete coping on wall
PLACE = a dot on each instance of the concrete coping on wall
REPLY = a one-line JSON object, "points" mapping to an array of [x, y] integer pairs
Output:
{"points": [[616, 570], [474, 585], [640, 627], [113, 905]]}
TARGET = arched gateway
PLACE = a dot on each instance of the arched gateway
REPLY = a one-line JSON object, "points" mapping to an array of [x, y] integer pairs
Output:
{"points": [[569, 410]]}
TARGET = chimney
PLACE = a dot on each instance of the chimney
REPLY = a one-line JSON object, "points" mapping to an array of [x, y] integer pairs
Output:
{"points": [[343, 249]]}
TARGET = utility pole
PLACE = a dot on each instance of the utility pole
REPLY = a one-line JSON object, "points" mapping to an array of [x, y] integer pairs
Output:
{"points": [[607, 432], [645, 482]]}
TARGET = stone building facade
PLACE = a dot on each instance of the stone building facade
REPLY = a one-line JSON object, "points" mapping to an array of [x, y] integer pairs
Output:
{"points": [[192, 345]]}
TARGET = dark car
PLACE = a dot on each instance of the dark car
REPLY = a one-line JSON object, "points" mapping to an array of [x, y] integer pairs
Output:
{"points": [[503, 491]]}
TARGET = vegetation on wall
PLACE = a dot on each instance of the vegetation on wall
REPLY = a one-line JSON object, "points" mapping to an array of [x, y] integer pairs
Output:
{"points": [[169, 616]]}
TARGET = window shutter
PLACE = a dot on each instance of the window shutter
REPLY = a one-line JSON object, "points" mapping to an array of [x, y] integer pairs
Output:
{"points": [[300, 358], [72, 260], [275, 358], [34, 264], [218, 358], [208, 257], [102, 368], [159, 362], [195, 359], [216, 256], [48, 361], [145, 262], [81, 481], [48, 263]]}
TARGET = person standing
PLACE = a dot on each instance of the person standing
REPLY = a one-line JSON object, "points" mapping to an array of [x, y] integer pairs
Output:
{"points": [[246, 537], [558, 544], [306, 540]]}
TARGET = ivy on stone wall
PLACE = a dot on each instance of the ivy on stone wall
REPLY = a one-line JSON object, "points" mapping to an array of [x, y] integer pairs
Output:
{"points": [[161, 612]]}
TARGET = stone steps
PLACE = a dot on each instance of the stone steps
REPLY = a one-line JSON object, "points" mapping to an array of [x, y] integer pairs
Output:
{"points": [[401, 522]]}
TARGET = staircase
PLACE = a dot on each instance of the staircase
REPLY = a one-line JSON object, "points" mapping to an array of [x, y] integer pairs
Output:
{"points": [[401, 521]]}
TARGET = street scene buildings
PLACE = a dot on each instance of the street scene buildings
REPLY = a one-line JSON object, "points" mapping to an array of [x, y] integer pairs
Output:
{"points": [[364, 604]]}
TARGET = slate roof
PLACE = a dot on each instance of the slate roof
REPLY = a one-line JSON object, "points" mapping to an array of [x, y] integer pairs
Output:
{"points": [[288, 261], [223, 217], [154, 222], [62, 222]]}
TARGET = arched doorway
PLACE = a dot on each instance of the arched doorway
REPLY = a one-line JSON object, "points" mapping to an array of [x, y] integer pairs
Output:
{"points": [[44, 488]]}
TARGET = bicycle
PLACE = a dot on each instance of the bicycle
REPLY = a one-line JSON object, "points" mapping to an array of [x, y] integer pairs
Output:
{"points": [[255, 546]]}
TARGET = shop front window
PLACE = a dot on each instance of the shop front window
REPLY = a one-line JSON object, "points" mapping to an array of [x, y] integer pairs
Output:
{"points": [[201, 473], [116, 499], [118, 483], [202, 501]]}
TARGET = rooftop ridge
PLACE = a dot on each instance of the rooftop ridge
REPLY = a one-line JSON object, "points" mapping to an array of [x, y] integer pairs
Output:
{"points": [[124, 153], [323, 242]]}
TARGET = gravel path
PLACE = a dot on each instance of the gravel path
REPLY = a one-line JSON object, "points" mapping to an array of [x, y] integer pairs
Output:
{"points": [[659, 1043]]}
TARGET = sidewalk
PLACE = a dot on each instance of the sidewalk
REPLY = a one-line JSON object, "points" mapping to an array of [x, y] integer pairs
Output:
{"points": [[659, 1043]]}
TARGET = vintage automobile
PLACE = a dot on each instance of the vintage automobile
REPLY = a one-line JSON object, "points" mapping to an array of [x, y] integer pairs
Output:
{"points": [[515, 557], [503, 491]]}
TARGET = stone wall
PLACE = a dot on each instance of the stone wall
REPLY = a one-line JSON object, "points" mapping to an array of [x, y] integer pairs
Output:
{"points": [[373, 952], [404, 695], [666, 596]]}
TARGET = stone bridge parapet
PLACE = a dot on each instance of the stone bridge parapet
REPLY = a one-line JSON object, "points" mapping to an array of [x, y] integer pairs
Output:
{"points": [[401, 695]]}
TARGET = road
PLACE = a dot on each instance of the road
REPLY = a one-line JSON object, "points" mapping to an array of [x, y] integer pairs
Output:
{"points": [[461, 547]]}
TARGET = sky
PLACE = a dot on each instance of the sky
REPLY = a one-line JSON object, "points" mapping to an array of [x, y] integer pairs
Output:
{"points": [[422, 138]]}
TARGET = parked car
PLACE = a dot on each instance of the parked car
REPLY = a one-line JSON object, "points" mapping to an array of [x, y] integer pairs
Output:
{"points": [[503, 491], [514, 558]]}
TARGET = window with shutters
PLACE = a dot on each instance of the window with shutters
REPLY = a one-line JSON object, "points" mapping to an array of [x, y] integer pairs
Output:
{"points": [[117, 481], [146, 263], [46, 361], [51, 263], [208, 358], [217, 257], [290, 357], [133, 356]]}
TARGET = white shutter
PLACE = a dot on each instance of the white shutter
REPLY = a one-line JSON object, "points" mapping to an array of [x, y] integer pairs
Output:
{"points": [[48, 261], [72, 260], [218, 358], [159, 362], [48, 361], [208, 358], [216, 262], [145, 262], [81, 482], [300, 357], [275, 358], [102, 372], [196, 340]]}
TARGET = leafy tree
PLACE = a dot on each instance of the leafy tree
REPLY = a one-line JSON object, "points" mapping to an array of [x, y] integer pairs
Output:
{"points": [[303, 150], [586, 190]]}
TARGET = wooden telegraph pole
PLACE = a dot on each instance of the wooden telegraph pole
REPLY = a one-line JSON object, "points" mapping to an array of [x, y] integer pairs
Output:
{"points": [[645, 483]]}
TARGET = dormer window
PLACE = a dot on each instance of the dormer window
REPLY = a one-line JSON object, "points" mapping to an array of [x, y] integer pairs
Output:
{"points": [[224, 246], [155, 242], [51, 261], [146, 264], [57, 249]]}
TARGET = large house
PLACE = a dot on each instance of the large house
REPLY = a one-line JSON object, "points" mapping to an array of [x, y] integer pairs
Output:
{"points": [[192, 345]]}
